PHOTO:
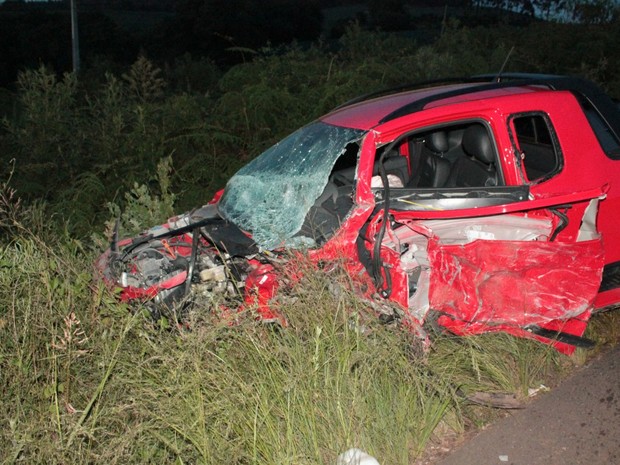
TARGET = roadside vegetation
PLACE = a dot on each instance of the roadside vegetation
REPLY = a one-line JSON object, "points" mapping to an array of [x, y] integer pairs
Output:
{"points": [[84, 378]]}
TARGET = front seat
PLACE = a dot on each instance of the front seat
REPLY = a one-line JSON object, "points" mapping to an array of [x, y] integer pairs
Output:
{"points": [[477, 167], [394, 164], [433, 169]]}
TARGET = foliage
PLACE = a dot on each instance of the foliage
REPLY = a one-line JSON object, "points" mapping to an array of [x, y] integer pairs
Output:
{"points": [[144, 81], [86, 380], [55, 353], [141, 206], [41, 134], [593, 11]]}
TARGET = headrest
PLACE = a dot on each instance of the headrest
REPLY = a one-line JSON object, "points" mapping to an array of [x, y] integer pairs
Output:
{"points": [[437, 142], [476, 143]]}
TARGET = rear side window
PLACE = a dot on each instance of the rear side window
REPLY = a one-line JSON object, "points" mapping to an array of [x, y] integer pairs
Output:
{"points": [[537, 146]]}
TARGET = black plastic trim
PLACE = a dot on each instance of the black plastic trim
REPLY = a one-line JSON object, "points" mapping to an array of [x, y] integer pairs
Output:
{"points": [[611, 277], [571, 339], [453, 198]]}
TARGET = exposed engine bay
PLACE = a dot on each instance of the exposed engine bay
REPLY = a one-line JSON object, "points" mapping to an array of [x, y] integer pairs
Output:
{"points": [[194, 258]]}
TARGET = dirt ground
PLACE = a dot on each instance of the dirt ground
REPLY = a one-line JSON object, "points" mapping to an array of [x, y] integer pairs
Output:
{"points": [[576, 423]]}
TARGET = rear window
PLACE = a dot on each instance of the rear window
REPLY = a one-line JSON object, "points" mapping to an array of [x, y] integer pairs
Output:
{"points": [[537, 146]]}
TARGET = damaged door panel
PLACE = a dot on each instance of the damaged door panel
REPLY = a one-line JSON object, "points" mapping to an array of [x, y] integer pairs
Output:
{"points": [[509, 266]]}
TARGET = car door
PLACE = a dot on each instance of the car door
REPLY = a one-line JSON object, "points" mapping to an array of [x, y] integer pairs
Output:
{"points": [[449, 239]]}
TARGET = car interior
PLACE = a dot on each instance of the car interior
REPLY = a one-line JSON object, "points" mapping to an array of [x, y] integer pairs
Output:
{"points": [[458, 156], [449, 157]]}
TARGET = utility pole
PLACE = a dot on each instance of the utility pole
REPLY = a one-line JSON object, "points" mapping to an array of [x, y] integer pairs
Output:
{"points": [[75, 42]]}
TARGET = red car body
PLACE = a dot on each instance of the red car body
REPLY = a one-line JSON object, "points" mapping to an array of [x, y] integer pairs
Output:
{"points": [[483, 204]]}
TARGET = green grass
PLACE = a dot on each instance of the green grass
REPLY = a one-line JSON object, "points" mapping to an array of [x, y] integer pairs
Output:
{"points": [[85, 380]]}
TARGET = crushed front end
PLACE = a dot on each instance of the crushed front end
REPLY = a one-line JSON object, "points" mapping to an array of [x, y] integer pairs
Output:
{"points": [[195, 258]]}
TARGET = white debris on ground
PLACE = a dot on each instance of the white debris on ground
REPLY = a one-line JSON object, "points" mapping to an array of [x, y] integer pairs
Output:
{"points": [[356, 457], [531, 392]]}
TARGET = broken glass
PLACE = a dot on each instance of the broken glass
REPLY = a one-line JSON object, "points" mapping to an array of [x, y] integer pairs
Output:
{"points": [[271, 196]]}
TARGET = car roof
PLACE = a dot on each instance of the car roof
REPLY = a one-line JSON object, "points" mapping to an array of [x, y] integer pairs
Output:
{"points": [[367, 114], [368, 111]]}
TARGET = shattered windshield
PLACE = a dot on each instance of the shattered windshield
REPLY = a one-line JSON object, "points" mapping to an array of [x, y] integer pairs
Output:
{"points": [[271, 196]]}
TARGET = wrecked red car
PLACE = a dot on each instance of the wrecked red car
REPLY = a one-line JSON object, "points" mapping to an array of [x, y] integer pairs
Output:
{"points": [[481, 204]]}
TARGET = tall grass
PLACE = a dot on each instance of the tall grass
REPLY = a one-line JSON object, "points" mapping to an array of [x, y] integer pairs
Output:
{"points": [[83, 379], [261, 394]]}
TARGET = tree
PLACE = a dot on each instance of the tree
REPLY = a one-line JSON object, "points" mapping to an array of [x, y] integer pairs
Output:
{"points": [[593, 11]]}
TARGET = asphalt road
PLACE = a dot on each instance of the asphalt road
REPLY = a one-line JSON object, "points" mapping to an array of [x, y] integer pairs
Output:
{"points": [[576, 423]]}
